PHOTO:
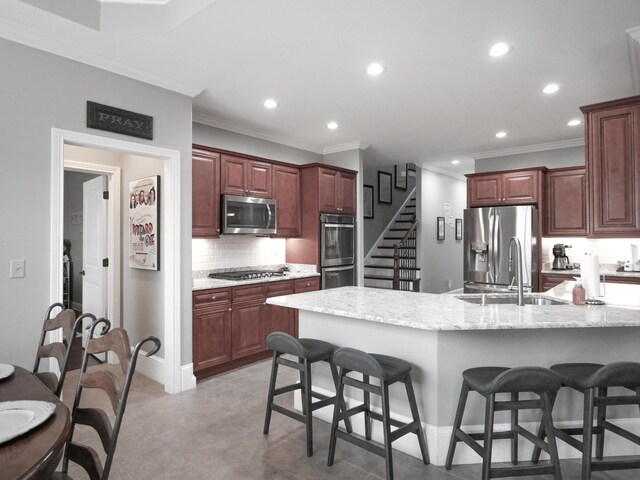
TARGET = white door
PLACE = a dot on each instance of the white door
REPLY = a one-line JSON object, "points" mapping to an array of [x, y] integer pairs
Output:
{"points": [[94, 250]]}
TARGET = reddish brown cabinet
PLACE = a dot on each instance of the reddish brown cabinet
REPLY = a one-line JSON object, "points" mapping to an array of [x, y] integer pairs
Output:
{"points": [[211, 328], [286, 192], [244, 176], [612, 134], [337, 191], [247, 330], [279, 319], [548, 281], [566, 205], [205, 193], [513, 187]]}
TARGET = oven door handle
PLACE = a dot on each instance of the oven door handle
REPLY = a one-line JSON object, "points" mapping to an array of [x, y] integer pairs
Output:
{"points": [[338, 269], [338, 225]]}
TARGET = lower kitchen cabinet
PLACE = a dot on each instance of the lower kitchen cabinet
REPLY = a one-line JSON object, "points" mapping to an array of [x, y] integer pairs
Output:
{"points": [[548, 281], [230, 325]]}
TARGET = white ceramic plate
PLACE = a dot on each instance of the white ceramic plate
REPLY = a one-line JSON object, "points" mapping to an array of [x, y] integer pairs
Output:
{"points": [[21, 416], [5, 370]]}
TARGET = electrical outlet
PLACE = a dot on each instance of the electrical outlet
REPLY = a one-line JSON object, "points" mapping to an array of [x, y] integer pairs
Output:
{"points": [[16, 268], [449, 284]]}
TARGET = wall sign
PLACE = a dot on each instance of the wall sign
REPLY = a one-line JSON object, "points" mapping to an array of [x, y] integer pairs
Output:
{"points": [[144, 235], [111, 119]]}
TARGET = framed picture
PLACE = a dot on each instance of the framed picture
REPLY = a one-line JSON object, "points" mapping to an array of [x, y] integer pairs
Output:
{"points": [[384, 187], [440, 229], [401, 176], [458, 229], [144, 232], [411, 170], [367, 201]]}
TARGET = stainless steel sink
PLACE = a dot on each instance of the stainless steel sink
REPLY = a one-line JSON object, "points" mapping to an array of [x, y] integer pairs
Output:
{"points": [[509, 300]]}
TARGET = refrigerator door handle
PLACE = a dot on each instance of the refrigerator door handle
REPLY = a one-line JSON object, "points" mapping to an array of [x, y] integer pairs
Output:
{"points": [[497, 263]]}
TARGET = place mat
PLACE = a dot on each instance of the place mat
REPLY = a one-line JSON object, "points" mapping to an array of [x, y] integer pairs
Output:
{"points": [[5, 370], [19, 417]]}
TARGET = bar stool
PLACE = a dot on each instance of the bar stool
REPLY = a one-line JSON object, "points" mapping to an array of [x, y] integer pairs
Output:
{"points": [[593, 380], [308, 351], [388, 370], [488, 381]]}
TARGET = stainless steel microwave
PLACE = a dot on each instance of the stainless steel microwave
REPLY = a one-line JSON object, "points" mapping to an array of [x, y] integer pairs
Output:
{"points": [[248, 215]]}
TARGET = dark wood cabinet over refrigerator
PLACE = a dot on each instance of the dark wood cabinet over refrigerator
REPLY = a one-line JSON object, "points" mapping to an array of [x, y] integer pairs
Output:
{"points": [[566, 212], [612, 133], [205, 193], [512, 187]]}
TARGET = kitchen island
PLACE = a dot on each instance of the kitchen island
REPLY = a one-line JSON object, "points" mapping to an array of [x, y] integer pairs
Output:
{"points": [[442, 335]]}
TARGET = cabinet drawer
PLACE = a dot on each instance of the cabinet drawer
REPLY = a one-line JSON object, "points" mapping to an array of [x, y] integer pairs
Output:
{"points": [[207, 298], [278, 288], [249, 292], [307, 284]]}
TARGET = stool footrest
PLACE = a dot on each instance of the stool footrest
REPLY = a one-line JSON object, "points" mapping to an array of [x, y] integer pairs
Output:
{"points": [[403, 430], [288, 363], [600, 465], [367, 445], [466, 438], [367, 387], [632, 437], [518, 405], [618, 400], [392, 421], [289, 413], [322, 403], [496, 435], [566, 437], [286, 389], [351, 412], [538, 442], [519, 471]]}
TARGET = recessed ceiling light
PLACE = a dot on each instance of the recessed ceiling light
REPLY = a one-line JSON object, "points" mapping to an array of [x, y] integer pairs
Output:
{"points": [[501, 134], [551, 88], [375, 69], [455, 162], [270, 103], [499, 49], [332, 125], [575, 122]]}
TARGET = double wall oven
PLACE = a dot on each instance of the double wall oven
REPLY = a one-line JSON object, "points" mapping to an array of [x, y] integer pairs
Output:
{"points": [[337, 250]]}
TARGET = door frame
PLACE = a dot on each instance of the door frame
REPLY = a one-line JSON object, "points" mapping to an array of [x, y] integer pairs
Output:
{"points": [[171, 261]]}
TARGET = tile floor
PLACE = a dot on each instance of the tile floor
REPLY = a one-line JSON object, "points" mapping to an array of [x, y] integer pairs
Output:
{"points": [[215, 432]]}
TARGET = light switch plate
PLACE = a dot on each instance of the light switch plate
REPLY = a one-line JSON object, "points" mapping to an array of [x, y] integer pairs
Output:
{"points": [[16, 268]]}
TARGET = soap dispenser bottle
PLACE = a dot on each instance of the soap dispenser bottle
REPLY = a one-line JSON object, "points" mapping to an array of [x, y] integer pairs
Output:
{"points": [[579, 293]]}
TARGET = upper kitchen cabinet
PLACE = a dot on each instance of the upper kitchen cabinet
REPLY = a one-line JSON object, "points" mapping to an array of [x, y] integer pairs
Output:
{"points": [[612, 131], [205, 193], [513, 187], [286, 192], [337, 191], [566, 205], [244, 176]]}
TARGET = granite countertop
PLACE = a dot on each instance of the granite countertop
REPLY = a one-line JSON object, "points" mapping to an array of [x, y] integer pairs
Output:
{"points": [[449, 312], [206, 283], [605, 269]]}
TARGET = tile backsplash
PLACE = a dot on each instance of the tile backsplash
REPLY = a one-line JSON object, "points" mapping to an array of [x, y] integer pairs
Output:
{"points": [[232, 251], [609, 250]]}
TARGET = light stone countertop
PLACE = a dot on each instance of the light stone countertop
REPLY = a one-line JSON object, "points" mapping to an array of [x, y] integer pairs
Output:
{"points": [[207, 283], [605, 269], [448, 312]]}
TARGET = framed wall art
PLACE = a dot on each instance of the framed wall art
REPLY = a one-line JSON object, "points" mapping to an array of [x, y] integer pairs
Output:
{"points": [[440, 228], [367, 201], [384, 187], [401, 176], [144, 232], [458, 229]]}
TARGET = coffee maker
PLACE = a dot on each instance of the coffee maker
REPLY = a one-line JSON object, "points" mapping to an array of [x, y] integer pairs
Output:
{"points": [[560, 259]]}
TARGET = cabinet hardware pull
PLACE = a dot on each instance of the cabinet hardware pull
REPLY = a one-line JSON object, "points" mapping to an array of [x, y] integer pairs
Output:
{"points": [[229, 308], [213, 298]]}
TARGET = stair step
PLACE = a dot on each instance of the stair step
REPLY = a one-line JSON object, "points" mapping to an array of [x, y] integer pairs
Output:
{"points": [[392, 238], [392, 247], [398, 229], [378, 277], [391, 256], [391, 267], [407, 214]]}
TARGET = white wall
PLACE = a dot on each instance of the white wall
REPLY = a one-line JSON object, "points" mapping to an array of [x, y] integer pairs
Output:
{"points": [[563, 157], [441, 261], [41, 91]]}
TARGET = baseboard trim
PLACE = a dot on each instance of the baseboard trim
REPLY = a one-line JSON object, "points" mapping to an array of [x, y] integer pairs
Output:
{"points": [[188, 379], [438, 437], [154, 368]]}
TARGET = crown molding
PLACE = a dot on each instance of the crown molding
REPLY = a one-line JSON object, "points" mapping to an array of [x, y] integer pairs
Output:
{"points": [[633, 42], [74, 52], [344, 147], [541, 147], [205, 119], [444, 172]]}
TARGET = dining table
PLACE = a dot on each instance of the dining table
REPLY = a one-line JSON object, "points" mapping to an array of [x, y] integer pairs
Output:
{"points": [[36, 453]]}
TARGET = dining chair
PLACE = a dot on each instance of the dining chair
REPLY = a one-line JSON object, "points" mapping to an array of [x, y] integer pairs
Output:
{"points": [[66, 320], [116, 341]]}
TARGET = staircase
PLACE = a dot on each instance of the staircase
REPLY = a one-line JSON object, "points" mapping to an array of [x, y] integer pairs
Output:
{"points": [[379, 265]]}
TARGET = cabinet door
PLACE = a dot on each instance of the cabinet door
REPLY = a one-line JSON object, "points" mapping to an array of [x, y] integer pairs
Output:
{"points": [[286, 191], [247, 329], [307, 284], [566, 205], [232, 175], [205, 194], [520, 187], [347, 193], [547, 282], [258, 179], [614, 171], [485, 190], [328, 190], [279, 319], [211, 337]]}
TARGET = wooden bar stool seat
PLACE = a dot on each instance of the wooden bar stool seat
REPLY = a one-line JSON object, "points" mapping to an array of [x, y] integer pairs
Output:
{"points": [[490, 381], [593, 381], [307, 351]]}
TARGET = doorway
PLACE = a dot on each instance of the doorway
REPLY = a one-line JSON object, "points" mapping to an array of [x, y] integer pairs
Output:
{"points": [[166, 370]]}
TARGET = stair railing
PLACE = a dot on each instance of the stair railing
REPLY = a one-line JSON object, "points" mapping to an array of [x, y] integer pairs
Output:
{"points": [[404, 264]]}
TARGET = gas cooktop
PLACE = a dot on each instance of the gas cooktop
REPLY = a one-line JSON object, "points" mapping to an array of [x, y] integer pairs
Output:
{"points": [[246, 274]]}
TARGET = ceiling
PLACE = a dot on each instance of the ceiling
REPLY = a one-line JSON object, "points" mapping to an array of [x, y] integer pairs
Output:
{"points": [[441, 98]]}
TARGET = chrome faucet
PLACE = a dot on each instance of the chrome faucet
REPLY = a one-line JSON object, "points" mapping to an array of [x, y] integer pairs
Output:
{"points": [[516, 241]]}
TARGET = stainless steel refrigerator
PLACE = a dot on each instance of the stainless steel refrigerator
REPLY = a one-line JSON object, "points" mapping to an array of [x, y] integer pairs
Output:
{"points": [[487, 233]]}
